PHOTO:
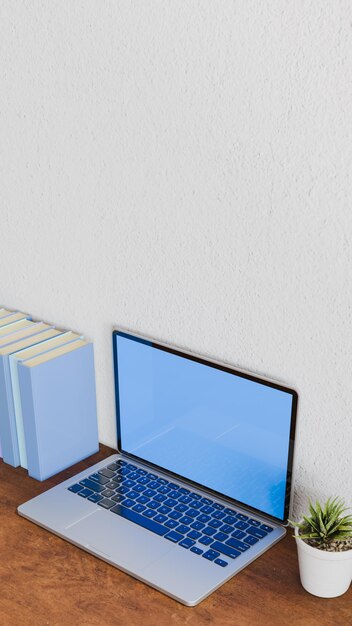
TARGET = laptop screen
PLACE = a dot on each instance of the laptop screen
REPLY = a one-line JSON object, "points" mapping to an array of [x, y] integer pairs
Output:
{"points": [[222, 429]]}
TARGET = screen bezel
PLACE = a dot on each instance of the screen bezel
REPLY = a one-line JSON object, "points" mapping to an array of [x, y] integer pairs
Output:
{"points": [[230, 370]]}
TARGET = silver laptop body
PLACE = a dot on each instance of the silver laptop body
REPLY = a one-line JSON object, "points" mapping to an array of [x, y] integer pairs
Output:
{"points": [[127, 539]]}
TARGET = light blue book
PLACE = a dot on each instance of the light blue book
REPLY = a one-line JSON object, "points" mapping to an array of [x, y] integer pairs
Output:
{"points": [[8, 317], [61, 339], [8, 431], [59, 408]]}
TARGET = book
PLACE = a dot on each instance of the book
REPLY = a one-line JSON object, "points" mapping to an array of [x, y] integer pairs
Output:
{"points": [[5, 312], [12, 317], [19, 357], [8, 433], [14, 327], [59, 408], [12, 337]]}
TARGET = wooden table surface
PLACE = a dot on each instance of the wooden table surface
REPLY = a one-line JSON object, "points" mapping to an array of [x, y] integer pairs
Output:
{"points": [[47, 581]]}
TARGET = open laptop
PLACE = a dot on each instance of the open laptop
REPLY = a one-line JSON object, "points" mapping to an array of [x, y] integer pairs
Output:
{"points": [[200, 486]]}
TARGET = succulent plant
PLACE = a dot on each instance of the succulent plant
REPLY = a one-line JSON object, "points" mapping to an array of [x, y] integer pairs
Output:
{"points": [[326, 525]]}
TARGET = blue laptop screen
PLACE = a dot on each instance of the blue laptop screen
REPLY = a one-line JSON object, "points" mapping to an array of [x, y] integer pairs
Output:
{"points": [[219, 429]]}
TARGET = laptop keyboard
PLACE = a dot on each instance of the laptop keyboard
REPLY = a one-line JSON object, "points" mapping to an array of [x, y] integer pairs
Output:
{"points": [[205, 527]]}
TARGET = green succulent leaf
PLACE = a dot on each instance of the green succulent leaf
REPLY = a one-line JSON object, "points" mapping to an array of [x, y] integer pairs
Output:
{"points": [[326, 523]]}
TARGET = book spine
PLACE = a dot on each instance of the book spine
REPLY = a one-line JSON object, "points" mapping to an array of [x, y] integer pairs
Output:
{"points": [[8, 430], [29, 424]]}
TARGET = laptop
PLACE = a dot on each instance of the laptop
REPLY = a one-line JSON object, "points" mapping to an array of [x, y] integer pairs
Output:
{"points": [[200, 485]]}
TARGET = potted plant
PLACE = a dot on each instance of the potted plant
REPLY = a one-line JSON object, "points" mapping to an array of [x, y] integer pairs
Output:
{"points": [[324, 545]]}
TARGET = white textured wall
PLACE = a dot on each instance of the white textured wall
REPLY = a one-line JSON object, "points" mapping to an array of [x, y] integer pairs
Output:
{"points": [[183, 169]]}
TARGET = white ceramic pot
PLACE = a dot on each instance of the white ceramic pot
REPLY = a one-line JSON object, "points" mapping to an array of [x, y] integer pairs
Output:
{"points": [[324, 574]]}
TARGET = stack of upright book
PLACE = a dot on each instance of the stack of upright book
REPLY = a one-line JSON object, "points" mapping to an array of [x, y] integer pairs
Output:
{"points": [[48, 418]]}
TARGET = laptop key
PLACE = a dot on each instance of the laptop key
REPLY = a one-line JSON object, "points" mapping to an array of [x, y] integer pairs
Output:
{"points": [[149, 513], [197, 525], [112, 484], [122, 490], [185, 499], [195, 504], [194, 534], [250, 540], [162, 481], [203, 518], [215, 523], [117, 498], [128, 483], [141, 471], [224, 549], [143, 481], [210, 555], [221, 562], [195, 496], [230, 512], [218, 506], [108, 493], [253, 522], [182, 528], [85, 493], [133, 494], [206, 541], [150, 493], [160, 518], [181, 507], [124, 471], [256, 532], [174, 536], [165, 510], [106, 503], [75, 488], [174, 494], [236, 543], [186, 520], [218, 515], [207, 509], [153, 505], [95, 498], [133, 475], [170, 502], [128, 502], [208, 531], [226, 529], [139, 508], [102, 480], [268, 529], [160, 498], [171, 523], [192, 512], [91, 484], [107, 473], [187, 543], [241, 525], [164, 489], [183, 490], [175, 515], [196, 550], [230, 520], [139, 488], [142, 499], [139, 519], [153, 484], [221, 536], [206, 501], [241, 516], [239, 534]]}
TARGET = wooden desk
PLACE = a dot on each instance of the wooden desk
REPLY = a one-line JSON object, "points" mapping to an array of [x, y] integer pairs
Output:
{"points": [[47, 581]]}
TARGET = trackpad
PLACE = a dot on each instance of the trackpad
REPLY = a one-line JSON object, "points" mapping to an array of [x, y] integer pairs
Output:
{"points": [[121, 541]]}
